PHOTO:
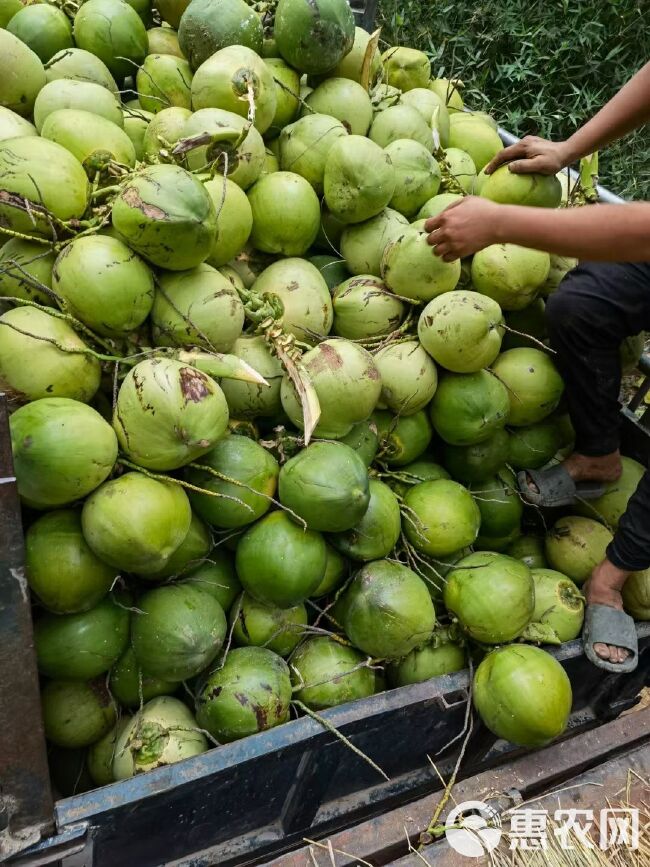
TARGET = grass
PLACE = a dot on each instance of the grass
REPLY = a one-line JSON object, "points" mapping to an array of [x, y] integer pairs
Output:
{"points": [[539, 66]]}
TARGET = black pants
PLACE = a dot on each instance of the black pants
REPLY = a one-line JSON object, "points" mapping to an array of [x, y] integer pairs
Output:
{"points": [[595, 308]]}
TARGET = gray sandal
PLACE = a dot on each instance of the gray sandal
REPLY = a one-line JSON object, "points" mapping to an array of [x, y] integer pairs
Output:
{"points": [[555, 487], [607, 625]]}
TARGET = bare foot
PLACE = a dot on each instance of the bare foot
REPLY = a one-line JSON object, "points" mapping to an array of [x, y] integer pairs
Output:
{"points": [[583, 468], [604, 588]]}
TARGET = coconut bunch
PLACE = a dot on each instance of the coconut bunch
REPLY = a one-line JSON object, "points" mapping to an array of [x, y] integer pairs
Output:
{"points": [[264, 440]]}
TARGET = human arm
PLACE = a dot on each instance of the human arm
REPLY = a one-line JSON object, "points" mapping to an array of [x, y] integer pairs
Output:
{"points": [[627, 110], [606, 233]]}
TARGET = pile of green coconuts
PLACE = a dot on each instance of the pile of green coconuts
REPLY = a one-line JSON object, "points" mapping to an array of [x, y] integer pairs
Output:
{"points": [[265, 441]]}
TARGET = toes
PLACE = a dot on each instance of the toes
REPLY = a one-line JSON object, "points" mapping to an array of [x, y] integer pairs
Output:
{"points": [[603, 650]]}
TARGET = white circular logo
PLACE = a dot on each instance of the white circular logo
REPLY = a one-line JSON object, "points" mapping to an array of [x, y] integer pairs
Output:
{"points": [[475, 834]]}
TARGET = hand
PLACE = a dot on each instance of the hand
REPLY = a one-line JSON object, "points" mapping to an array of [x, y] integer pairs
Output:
{"points": [[464, 228], [532, 154]]}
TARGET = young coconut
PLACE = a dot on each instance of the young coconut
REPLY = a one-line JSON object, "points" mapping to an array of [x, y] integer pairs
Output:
{"points": [[364, 308], [437, 204], [305, 145], [417, 175], [77, 714], [345, 100], [303, 293], [510, 274], [131, 686], [19, 92], [313, 39], [286, 214], [359, 179], [135, 523], [77, 64], [432, 108], [352, 65], [250, 693], [559, 604], [236, 79], [113, 31], [254, 400], [439, 656], [610, 507], [325, 673], [163, 81], [408, 377], [400, 122], [575, 546], [458, 170], [506, 187], [258, 625], [161, 733], [208, 27], [411, 270], [440, 517], [163, 40], [406, 68], [168, 414], [62, 450], [164, 131], [84, 95], [468, 408], [476, 137], [287, 95], [533, 382], [363, 244], [216, 576], [376, 534], [477, 462], [448, 91], [636, 595]]}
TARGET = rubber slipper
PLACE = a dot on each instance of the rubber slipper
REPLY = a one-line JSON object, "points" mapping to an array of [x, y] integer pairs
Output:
{"points": [[555, 487], [607, 625]]}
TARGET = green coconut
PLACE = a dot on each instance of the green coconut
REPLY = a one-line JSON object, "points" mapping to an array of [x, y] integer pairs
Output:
{"points": [[113, 31], [24, 75], [440, 656], [437, 205], [411, 269], [325, 673], [39, 178], [236, 147], [164, 131], [363, 244], [305, 145], [499, 503], [250, 693], [79, 65], [477, 462], [636, 595], [166, 215], [432, 108], [523, 695], [8, 9], [476, 137], [177, 631], [388, 610], [207, 27], [163, 81], [313, 38], [506, 187], [192, 552], [244, 478], [258, 625], [529, 549], [271, 162], [359, 179], [77, 714], [83, 645], [62, 450], [532, 447], [610, 507], [352, 66], [216, 576], [533, 382], [12, 125], [468, 408], [42, 356], [249, 399], [406, 68], [43, 28], [168, 414], [302, 291], [364, 439], [417, 175], [87, 96], [363, 307], [526, 326], [560, 267], [441, 517], [92, 139], [287, 95], [136, 523], [559, 604], [402, 439], [231, 77], [492, 596], [346, 381], [576, 545], [131, 686], [332, 269], [376, 534], [104, 284], [286, 214], [421, 470], [278, 562], [162, 732], [344, 99], [409, 378], [461, 169], [62, 571], [135, 126], [510, 274], [198, 307], [335, 573], [163, 40], [326, 484], [99, 760], [400, 122], [171, 11]]}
